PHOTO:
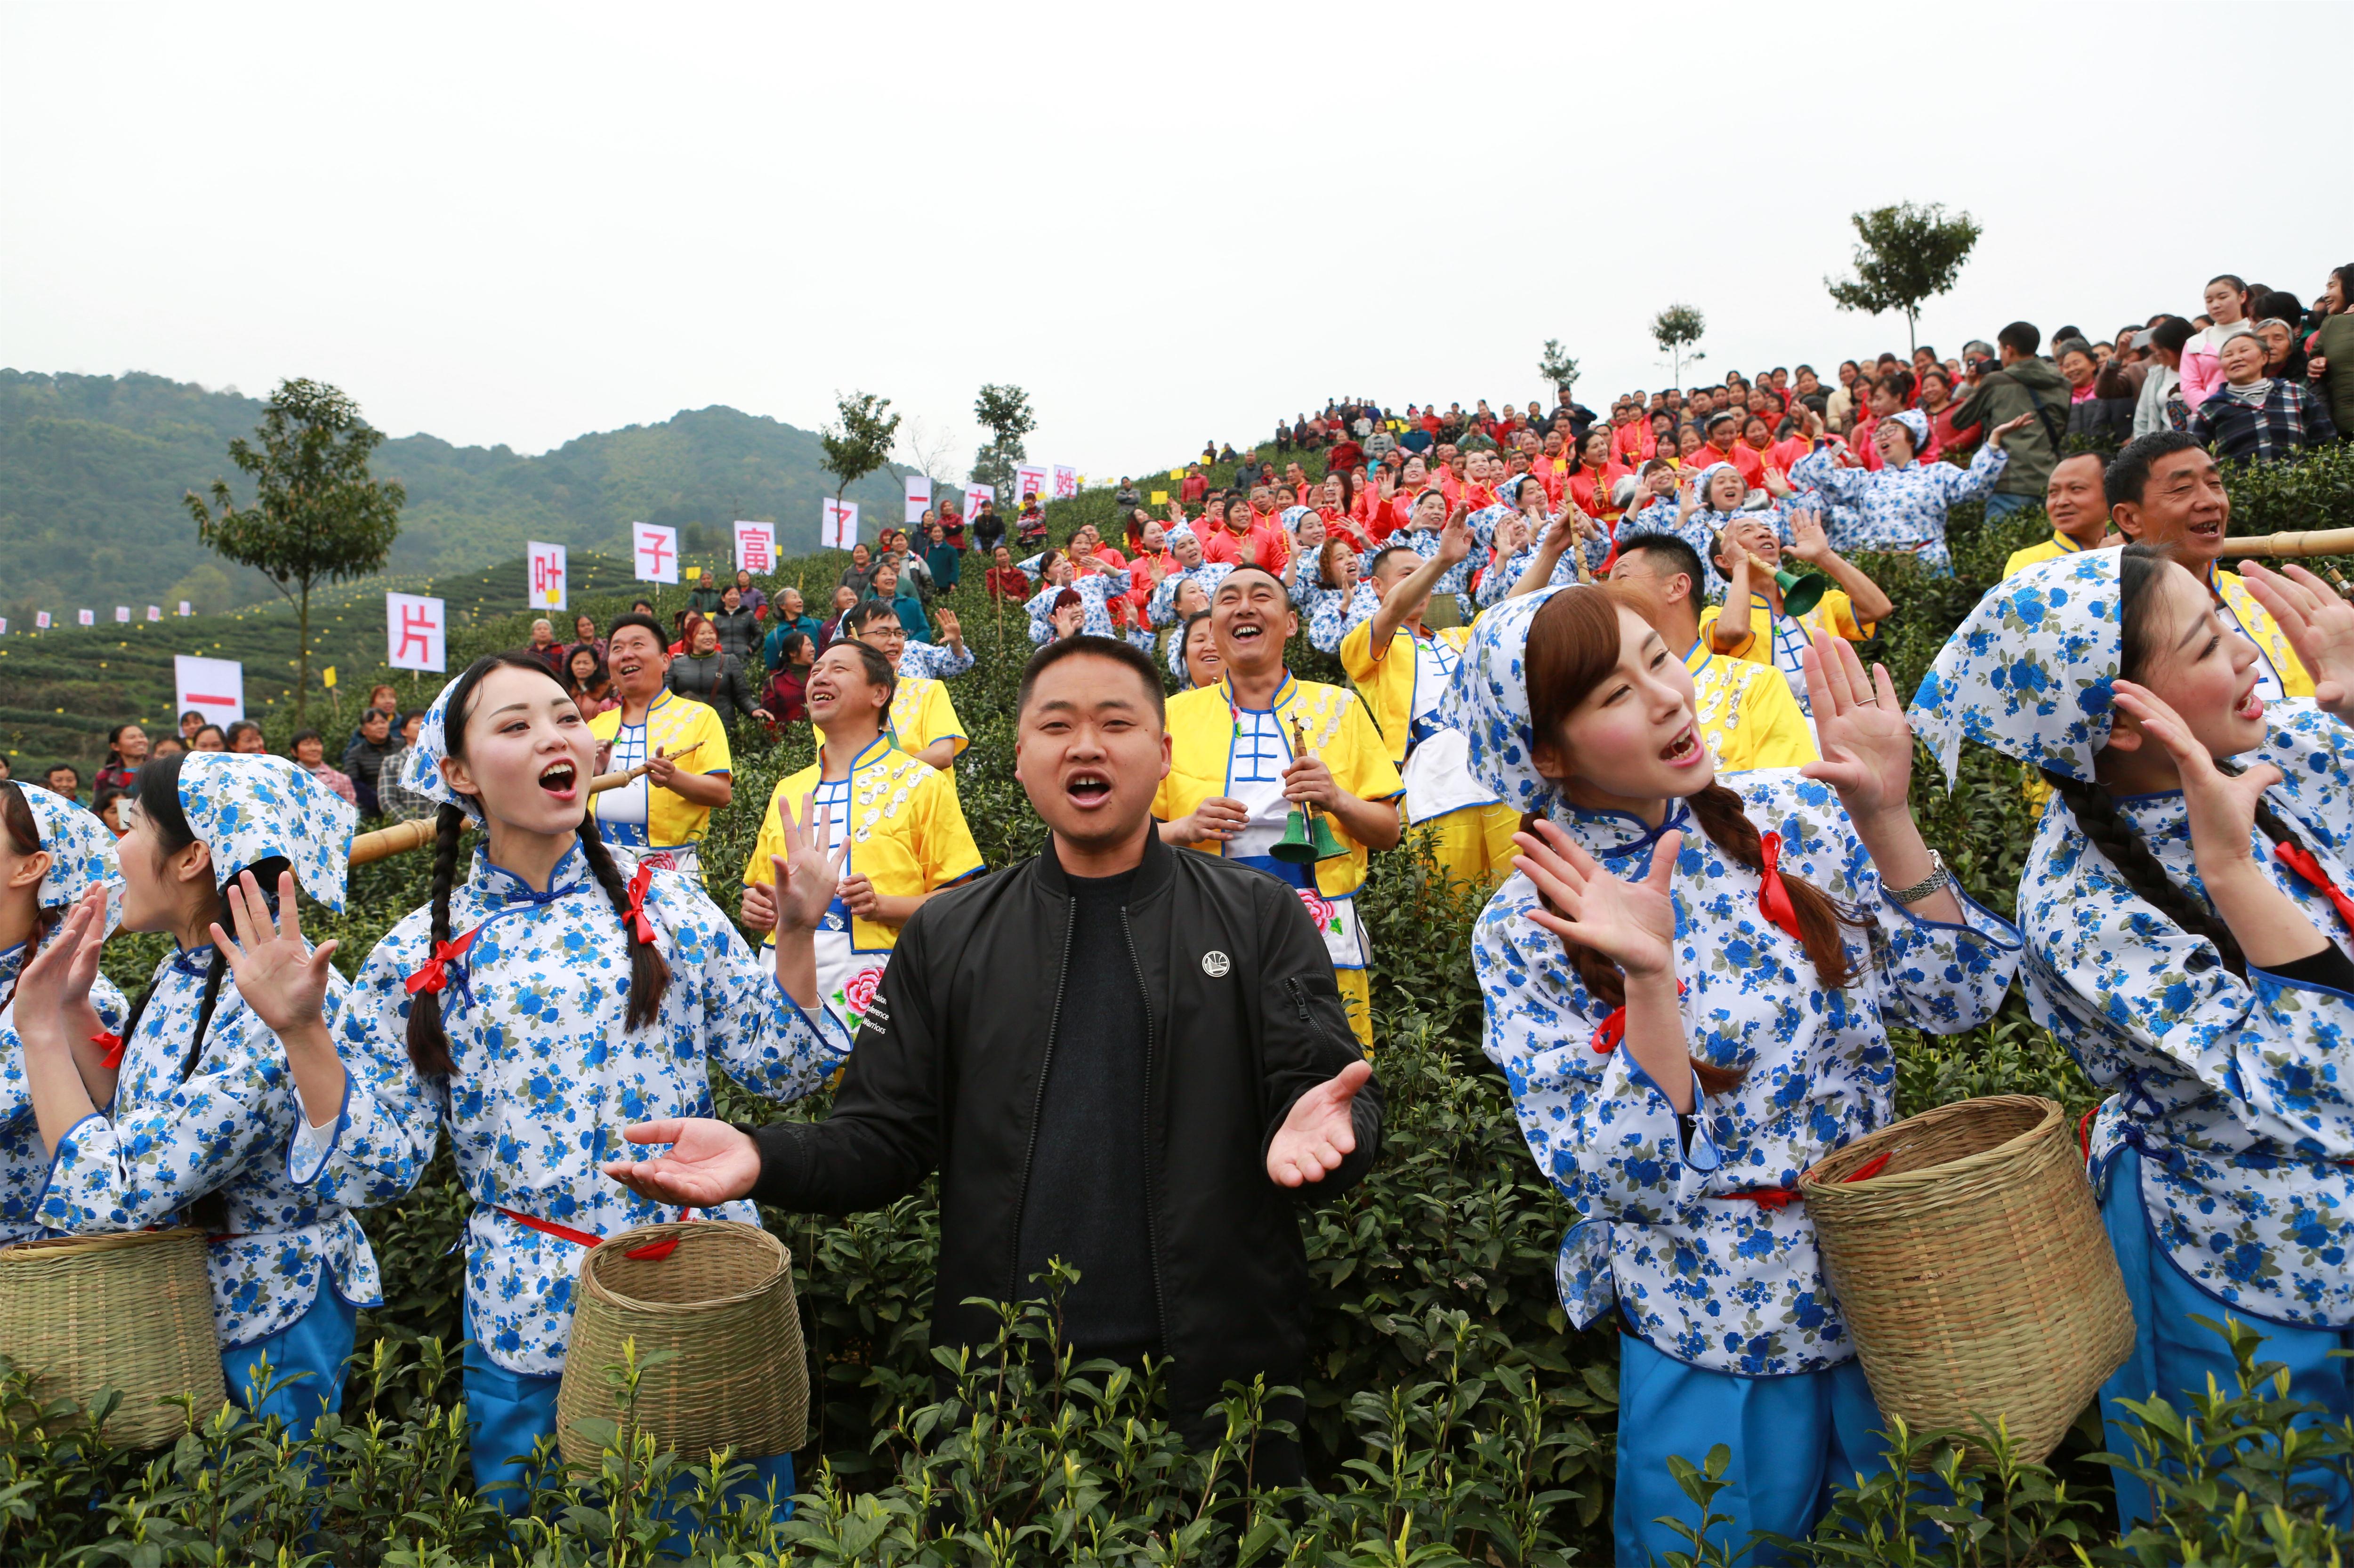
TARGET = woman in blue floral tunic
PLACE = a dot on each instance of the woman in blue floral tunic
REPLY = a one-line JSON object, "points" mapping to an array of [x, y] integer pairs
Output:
{"points": [[51, 853], [1696, 514], [198, 1108], [1901, 508], [2188, 940], [1689, 987], [531, 1012]]}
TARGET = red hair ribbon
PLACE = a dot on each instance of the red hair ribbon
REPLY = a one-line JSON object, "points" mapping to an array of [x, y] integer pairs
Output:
{"points": [[2084, 1133], [433, 974], [2300, 860], [1773, 899], [639, 926], [111, 1045], [652, 1252]]}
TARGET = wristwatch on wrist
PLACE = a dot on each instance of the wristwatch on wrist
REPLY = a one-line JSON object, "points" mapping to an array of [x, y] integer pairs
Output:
{"points": [[1938, 877]]}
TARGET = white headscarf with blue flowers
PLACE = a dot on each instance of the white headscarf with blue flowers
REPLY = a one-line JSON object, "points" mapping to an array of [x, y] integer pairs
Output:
{"points": [[248, 807], [1487, 703], [2030, 670], [421, 765], [80, 850]]}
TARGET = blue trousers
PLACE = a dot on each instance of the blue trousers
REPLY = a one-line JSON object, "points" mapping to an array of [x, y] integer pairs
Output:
{"points": [[1793, 1439], [316, 1345], [2001, 505], [2175, 1357], [507, 1413]]}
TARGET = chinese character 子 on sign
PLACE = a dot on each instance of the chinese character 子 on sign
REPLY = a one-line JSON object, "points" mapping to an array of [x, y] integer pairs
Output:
{"points": [[656, 551]]}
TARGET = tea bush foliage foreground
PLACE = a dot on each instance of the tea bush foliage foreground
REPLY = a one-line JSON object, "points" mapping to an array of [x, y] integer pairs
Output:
{"points": [[1451, 1415]]}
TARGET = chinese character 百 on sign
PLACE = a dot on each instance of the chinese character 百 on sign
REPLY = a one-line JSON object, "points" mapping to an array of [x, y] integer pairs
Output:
{"points": [[415, 632], [546, 576]]}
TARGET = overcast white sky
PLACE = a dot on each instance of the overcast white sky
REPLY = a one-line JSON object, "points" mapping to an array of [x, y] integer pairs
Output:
{"points": [[517, 223]]}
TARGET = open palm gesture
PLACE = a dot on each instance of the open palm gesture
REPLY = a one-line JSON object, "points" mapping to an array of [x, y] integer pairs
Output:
{"points": [[806, 874], [1632, 924], [1867, 744], [282, 979], [1320, 1132], [2318, 624]]}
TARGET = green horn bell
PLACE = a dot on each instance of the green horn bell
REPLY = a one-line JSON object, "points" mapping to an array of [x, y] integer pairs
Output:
{"points": [[1295, 847], [1326, 846], [1801, 591]]}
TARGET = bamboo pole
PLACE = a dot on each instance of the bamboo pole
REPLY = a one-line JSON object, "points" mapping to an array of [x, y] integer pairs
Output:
{"points": [[2304, 542], [401, 837]]}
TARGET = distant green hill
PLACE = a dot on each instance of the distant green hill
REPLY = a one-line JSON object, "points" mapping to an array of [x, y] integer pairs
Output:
{"points": [[93, 469]]}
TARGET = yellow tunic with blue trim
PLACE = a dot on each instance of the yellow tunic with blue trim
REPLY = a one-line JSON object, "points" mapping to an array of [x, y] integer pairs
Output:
{"points": [[906, 835], [1746, 712], [1788, 635], [2280, 674], [922, 714], [2058, 544], [639, 816]]}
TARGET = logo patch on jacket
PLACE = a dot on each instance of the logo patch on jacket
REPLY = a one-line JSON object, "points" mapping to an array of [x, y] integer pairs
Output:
{"points": [[1215, 963]]}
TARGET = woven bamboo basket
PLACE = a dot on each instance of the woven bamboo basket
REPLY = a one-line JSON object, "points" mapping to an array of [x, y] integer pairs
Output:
{"points": [[723, 1299], [1973, 1268], [132, 1312]]}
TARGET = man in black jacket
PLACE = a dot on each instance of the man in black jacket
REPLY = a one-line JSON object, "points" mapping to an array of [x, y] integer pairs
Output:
{"points": [[1117, 1053]]}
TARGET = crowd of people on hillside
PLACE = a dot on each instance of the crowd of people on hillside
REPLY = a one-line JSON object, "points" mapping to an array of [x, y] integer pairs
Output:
{"points": [[1602, 669]]}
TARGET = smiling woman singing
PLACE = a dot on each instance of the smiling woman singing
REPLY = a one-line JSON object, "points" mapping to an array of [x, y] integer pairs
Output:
{"points": [[1688, 986], [561, 990]]}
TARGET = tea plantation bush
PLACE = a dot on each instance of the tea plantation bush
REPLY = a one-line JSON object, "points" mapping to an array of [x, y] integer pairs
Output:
{"points": [[1451, 1414]]}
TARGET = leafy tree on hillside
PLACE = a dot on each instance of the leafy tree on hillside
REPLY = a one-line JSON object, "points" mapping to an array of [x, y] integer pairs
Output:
{"points": [[317, 517], [1004, 412], [1675, 330], [1909, 255], [862, 442], [1560, 371]]}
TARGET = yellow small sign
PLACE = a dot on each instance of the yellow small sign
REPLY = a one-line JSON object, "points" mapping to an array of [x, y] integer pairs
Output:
{"points": [[327, 678], [1176, 474], [1159, 498], [694, 574]]}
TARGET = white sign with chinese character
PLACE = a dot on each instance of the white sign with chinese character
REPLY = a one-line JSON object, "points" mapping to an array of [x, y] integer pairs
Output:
{"points": [[656, 551], [41, 619], [154, 612], [837, 523], [919, 496], [755, 547], [1030, 480], [1066, 482], [185, 610], [122, 615], [213, 687], [974, 495], [87, 617], [416, 633], [546, 576]]}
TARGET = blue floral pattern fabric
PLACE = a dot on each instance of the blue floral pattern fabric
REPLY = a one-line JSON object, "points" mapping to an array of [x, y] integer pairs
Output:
{"points": [[1095, 591], [1701, 1272], [1496, 586], [24, 1163], [933, 662], [1162, 609], [2030, 671], [248, 807], [170, 1138], [2235, 1091], [1898, 510], [1331, 614], [547, 1076]]}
